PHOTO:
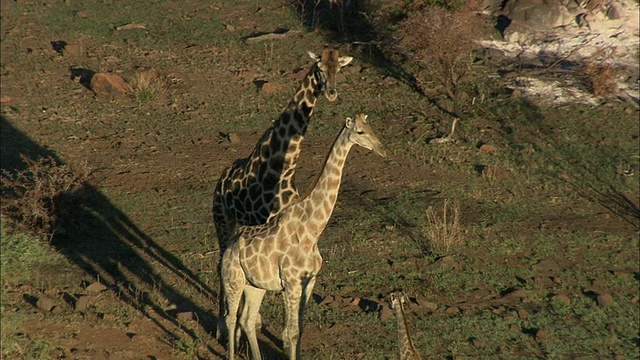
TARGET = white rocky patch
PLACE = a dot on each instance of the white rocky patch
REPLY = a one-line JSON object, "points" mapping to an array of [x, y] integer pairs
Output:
{"points": [[607, 32]]}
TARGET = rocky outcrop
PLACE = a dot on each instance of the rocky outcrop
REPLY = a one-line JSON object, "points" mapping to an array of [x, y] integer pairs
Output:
{"points": [[571, 34]]}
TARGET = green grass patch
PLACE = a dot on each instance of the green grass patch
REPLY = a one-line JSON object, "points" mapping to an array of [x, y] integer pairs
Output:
{"points": [[22, 258]]}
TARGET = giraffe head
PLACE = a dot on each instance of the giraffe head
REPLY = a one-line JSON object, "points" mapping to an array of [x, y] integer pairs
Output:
{"points": [[329, 64], [361, 133], [396, 299]]}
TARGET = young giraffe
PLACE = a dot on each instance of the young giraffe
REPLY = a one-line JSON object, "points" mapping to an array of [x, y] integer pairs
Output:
{"points": [[282, 255], [257, 187], [405, 344]]}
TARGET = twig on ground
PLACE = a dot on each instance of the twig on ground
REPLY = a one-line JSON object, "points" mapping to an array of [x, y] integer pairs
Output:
{"points": [[447, 138]]}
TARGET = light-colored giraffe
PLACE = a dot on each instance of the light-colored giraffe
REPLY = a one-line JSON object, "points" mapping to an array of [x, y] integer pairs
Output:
{"points": [[282, 255], [257, 187], [405, 344]]}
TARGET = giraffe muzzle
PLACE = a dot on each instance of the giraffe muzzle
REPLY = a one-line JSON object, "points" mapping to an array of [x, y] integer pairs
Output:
{"points": [[331, 94]]}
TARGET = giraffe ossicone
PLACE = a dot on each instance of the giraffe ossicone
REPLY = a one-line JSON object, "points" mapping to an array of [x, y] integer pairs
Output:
{"points": [[283, 255]]}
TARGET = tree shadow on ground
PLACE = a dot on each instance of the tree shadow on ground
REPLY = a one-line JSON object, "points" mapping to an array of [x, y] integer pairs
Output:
{"points": [[349, 22], [104, 242]]}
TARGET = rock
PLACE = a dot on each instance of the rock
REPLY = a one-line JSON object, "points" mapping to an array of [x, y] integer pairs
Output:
{"points": [[45, 303], [327, 300], [537, 14], [516, 294], [495, 173], [613, 13], [142, 338], [446, 263], [514, 328], [271, 88], [515, 35], [385, 313], [523, 314], [431, 306], [541, 335], [426, 304], [635, 299], [604, 300], [96, 287], [493, 56], [452, 310], [488, 148], [82, 303], [184, 316], [491, 6], [73, 51], [107, 84], [561, 297], [234, 138], [477, 342]]}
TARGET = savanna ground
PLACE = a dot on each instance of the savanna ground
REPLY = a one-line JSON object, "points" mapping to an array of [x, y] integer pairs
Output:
{"points": [[546, 264]]}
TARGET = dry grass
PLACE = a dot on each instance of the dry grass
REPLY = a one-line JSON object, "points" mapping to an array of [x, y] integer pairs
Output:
{"points": [[147, 85], [443, 230], [35, 198], [598, 75]]}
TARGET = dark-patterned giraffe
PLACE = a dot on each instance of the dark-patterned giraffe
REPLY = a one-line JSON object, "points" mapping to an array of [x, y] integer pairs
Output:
{"points": [[256, 188]]}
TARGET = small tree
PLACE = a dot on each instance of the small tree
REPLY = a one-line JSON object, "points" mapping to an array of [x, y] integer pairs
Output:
{"points": [[36, 197], [439, 43]]}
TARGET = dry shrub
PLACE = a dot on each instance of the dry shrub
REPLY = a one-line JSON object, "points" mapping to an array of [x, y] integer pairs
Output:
{"points": [[36, 197], [443, 228], [599, 76], [440, 44]]}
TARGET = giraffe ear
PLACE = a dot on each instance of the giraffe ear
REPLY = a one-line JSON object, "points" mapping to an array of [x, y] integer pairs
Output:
{"points": [[314, 56], [349, 123], [344, 60]]}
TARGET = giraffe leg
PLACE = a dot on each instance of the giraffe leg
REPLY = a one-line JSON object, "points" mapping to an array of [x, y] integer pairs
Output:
{"points": [[224, 225], [252, 301], [291, 332], [234, 281], [232, 301], [307, 290]]}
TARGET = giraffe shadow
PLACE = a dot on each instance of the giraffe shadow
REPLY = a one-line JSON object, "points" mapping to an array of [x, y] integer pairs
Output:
{"points": [[103, 241], [272, 348]]}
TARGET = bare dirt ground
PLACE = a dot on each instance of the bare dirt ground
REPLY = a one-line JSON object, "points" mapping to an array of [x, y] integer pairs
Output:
{"points": [[145, 229]]}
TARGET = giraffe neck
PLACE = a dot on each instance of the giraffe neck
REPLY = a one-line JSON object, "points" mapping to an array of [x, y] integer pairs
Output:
{"points": [[320, 199], [295, 119], [404, 338], [275, 159]]}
